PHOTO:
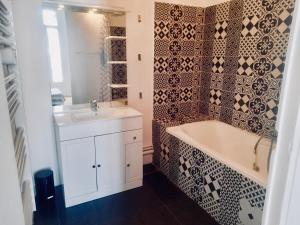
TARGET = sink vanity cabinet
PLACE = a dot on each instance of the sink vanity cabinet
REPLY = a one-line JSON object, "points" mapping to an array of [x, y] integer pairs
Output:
{"points": [[99, 157]]}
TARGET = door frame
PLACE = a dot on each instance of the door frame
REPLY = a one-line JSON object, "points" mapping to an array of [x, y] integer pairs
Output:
{"points": [[283, 195]]}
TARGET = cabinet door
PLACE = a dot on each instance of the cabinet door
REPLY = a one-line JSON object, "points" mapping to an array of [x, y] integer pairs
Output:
{"points": [[134, 162], [78, 162], [110, 159]]}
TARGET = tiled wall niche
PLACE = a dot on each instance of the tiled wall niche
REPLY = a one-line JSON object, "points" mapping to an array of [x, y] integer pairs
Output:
{"points": [[225, 61], [118, 71]]}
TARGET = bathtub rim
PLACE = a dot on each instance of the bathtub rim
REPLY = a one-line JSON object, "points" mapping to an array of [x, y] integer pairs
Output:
{"points": [[177, 132]]}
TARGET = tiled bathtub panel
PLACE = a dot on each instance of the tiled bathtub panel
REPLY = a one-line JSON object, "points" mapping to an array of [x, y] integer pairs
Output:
{"points": [[212, 179], [174, 171], [161, 139], [185, 164], [156, 143], [229, 197]]}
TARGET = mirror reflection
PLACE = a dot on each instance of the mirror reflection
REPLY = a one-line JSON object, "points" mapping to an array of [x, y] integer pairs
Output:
{"points": [[87, 54]]}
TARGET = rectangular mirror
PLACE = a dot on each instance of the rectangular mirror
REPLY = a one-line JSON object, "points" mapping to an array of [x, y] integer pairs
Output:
{"points": [[87, 54]]}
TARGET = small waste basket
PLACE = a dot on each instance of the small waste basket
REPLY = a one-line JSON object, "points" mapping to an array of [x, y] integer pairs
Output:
{"points": [[44, 184]]}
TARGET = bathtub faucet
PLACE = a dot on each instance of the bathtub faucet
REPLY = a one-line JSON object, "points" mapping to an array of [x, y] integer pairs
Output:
{"points": [[255, 166], [93, 105], [273, 140], [257, 143]]}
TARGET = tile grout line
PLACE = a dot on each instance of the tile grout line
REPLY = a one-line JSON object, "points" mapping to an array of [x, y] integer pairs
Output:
{"points": [[169, 210]]}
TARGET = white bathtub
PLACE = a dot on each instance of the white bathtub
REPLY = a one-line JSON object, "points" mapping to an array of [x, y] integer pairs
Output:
{"points": [[229, 145]]}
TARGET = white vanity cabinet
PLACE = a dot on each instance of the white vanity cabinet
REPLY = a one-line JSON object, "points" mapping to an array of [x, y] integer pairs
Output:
{"points": [[78, 158], [110, 158], [104, 163]]}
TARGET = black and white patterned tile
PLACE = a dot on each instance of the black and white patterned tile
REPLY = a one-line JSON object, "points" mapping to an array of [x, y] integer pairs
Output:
{"points": [[185, 166], [241, 40], [229, 66], [228, 196], [250, 26], [230, 192], [221, 30], [249, 214], [117, 31], [253, 192], [215, 97], [222, 11]]}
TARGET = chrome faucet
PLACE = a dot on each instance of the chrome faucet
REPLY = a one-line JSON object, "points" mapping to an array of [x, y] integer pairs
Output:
{"points": [[257, 143], [93, 105], [273, 139]]}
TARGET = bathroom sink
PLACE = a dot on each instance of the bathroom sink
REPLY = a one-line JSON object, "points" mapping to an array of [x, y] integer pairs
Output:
{"points": [[91, 115], [85, 114]]}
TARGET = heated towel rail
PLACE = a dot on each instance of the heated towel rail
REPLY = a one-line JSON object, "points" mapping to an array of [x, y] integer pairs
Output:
{"points": [[8, 65]]}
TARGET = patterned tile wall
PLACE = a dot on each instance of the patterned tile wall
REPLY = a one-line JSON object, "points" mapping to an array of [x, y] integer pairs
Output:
{"points": [[225, 61], [178, 48], [118, 71]]}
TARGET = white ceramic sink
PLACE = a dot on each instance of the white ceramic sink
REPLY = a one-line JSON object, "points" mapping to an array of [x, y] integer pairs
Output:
{"points": [[91, 115], [84, 114]]}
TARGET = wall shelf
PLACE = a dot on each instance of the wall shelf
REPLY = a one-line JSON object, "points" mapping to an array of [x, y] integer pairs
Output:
{"points": [[119, 85], [117, 62], [116, 38]]}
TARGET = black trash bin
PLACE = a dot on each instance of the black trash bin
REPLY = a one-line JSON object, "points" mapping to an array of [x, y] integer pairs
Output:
{"points": [[45, 192]]}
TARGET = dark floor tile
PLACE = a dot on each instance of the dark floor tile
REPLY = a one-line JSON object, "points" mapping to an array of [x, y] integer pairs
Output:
{"points": [[121, 221], [163, 188], [78, 215], [149, 169], [189, 213], [157, 216], [46, 219], [158, 202], [126, 205]]}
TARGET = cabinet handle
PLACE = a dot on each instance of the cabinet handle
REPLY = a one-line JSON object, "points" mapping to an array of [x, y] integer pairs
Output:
{"points": [[94, 166], [99, 165], [128, 165]]}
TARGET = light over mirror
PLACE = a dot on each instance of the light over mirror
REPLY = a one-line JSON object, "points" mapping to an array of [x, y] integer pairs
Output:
{"points": [[87, 54]]}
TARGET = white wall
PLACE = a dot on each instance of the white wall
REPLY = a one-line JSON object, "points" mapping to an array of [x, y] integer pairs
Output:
{"points": [[35, 73], [141, 40], [206, 3], [31, 40]]}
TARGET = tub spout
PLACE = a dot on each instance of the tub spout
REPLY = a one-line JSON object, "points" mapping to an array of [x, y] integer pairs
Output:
{"points": [[273, 139], [255, 166], [257, 143]]}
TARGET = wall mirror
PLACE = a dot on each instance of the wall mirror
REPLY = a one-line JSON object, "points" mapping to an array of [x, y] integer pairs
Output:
{"points": [[87, 54]]}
